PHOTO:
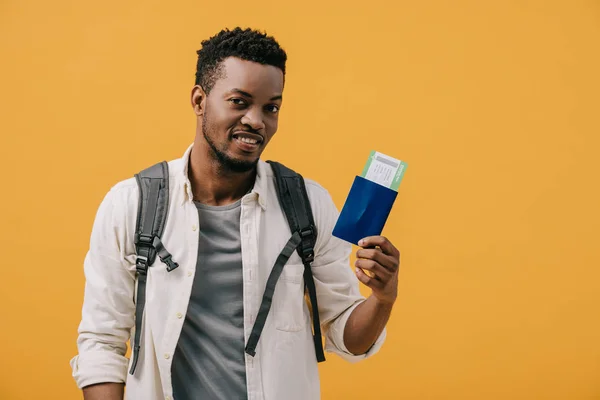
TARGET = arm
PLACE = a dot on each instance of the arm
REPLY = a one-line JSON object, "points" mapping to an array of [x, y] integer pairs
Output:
{"points": [[365, 325], [354, 327], [104, 391], [368, 320], [108, 307]]}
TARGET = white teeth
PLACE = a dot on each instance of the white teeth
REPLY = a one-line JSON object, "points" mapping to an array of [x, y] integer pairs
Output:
{"points": [[248, 140]]}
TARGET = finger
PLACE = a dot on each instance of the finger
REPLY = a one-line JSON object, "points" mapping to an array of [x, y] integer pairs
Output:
{"points": [[380, 272], [384, 244], [377, 255], [367, 280]]}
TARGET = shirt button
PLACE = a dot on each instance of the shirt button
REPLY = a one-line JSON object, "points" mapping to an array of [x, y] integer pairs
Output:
{"points": [[167, 397], [194, 227], [189, 273], [179, 315], [167, 356]]}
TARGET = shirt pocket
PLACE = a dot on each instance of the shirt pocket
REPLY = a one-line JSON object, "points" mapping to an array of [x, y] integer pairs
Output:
{"points": [[288, 299]]}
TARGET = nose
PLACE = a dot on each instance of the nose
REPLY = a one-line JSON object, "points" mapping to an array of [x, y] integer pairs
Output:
{"points": [[254, 119]]}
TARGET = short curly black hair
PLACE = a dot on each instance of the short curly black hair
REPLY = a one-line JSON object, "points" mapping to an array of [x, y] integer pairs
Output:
{"points": [[247, 44]]}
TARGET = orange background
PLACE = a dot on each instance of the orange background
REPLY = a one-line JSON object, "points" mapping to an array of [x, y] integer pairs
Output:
{"points": [[494, 105]]}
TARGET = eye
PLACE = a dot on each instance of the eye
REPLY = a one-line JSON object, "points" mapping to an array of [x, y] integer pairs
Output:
{"points": [[273, 108], [237, 101]]}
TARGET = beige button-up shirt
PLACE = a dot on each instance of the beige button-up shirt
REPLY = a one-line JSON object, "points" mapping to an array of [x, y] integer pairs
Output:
{"points": [[285, 365]]}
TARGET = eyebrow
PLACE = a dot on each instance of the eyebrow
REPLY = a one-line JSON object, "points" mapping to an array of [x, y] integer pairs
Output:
{"points": [[243, 93]]}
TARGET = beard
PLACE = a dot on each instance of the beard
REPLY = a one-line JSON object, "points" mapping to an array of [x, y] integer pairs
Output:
{"points": [[219, 152]]}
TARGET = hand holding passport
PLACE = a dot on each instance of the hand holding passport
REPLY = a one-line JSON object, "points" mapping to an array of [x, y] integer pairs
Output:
{"points": [[378, 261], [371, 198]]}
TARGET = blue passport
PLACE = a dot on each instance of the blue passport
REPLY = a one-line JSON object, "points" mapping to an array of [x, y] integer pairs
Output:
{"points": [[371, 198], [365, 211]]}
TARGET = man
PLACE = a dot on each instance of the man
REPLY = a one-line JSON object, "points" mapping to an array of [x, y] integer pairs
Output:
{"points": [[226, 228]]}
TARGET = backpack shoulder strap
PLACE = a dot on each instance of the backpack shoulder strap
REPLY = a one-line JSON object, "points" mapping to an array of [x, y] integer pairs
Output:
{"points": [[153, 185], [153, 207], [294, 201], [291, 192]]}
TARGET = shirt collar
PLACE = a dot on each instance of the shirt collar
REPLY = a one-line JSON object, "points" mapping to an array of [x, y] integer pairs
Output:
{"points": [[258, 192]]}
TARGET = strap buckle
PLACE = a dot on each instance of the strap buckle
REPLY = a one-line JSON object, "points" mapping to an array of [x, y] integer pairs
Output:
{"points": [[171, 265], [305, 232], [141, 264], [145, 240], [308, 252]]}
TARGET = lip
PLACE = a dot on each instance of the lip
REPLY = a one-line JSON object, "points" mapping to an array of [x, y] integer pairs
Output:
{"points": [[249, 135], [247, 147]]}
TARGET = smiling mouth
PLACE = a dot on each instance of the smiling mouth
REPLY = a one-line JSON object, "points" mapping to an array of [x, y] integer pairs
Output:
{"points": [[247, 138]]}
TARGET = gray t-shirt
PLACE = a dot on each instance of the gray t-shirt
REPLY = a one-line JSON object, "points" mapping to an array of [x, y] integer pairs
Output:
{"points": [[209, 362]]}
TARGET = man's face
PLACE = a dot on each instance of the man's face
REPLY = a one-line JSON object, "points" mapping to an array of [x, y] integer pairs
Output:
{"points": [[241, 113]]}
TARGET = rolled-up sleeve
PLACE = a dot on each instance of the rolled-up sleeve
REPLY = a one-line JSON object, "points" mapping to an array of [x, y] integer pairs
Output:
{"points": [[108, 306], [337, 286], [335, 339]]}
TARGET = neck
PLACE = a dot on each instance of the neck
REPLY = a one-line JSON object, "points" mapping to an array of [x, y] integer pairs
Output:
{"points": [[212, 184]]}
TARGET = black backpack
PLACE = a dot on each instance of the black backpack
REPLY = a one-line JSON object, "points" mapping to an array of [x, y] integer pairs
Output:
{"points": [[153, 206]]}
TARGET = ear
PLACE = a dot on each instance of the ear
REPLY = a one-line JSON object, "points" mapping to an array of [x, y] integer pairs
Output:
{"points": [[198, 100]]}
